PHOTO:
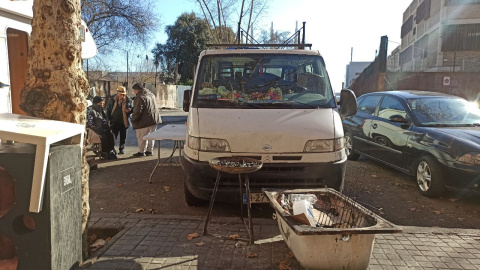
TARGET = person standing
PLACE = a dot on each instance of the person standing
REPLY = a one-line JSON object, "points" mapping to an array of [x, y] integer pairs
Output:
{"points": [[145, 118], [119, 109], [97, 121]]}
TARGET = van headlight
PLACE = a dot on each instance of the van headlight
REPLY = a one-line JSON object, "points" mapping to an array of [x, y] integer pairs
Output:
{"points": [[208, 144], [470, 158], [324, 145]]}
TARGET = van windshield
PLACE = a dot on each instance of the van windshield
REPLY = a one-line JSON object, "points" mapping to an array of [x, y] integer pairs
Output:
{"points": [[263, 81]]}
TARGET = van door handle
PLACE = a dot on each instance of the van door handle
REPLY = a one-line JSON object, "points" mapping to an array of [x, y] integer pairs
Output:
{"points": [[374, 126]]}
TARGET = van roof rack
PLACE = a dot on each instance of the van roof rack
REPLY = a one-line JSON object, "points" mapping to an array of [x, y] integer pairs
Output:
{"points": [[257, 46]]}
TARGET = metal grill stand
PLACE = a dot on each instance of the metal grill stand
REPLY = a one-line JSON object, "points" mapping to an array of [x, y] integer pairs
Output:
{"points": [[240, 166]]}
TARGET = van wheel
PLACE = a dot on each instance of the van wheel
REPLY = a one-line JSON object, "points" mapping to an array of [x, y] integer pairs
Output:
{"points": [[190, 199], [429, 177], [351, 155]]}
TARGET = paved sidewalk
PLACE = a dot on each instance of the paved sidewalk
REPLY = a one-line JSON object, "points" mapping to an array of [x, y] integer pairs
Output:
{"points": [[160, 242]]}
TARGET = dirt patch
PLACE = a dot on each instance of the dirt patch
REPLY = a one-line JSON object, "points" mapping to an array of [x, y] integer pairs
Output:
{"points": [[122, 187], [394, 196]]}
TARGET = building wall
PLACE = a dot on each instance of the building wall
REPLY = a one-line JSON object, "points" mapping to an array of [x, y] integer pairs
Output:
{"points": [[462, 12], [354, 69], [435, 60], [460, 84], [167, 95]]}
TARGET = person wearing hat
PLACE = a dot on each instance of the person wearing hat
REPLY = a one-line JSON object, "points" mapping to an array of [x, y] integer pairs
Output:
{"points": [[119, 108], [97, 121], [145, 118]]}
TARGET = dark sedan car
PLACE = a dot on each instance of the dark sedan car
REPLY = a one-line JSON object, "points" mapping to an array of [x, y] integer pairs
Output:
{"points": [[431, 136]]}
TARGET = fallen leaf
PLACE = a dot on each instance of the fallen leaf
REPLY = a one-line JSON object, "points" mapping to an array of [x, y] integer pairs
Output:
{"points": [[200, 244], [120, 185], [284, 265], [152, 195], [98, 243], [437, 212], [166, 188], [374, 175], [152, 211], [289, 255], [192, 235], [234, 236], [251, 255], [139, 210]]}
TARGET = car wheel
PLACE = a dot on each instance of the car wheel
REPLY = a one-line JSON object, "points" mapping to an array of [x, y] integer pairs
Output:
{"points": [[382, 140], [190, 199], [351, 155], [429, 177]]}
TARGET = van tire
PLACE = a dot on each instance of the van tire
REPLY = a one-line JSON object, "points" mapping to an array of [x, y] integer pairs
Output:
{"points": [[351, 155], [190, 199]]}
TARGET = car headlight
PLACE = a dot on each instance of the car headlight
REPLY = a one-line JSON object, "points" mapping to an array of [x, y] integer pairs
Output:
{"points": [[207, 144], [324, 145], [470, 158]]}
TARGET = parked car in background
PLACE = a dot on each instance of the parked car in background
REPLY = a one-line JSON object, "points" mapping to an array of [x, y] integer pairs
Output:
{"points": [[431, 136], [337, 98]]}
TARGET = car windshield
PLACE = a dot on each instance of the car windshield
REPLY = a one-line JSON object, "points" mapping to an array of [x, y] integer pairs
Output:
{"points": [[263, 81], [444, 111]]}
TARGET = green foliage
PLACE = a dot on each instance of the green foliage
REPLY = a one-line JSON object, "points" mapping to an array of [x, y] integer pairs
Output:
{"points": [[188, 82], [186, 39]]}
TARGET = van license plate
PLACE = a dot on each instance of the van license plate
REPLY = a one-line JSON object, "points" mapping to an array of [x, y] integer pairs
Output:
{"points": [[255, 198]]}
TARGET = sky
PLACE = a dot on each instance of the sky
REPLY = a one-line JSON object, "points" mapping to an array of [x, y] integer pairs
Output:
{"points": [[335, 28]]}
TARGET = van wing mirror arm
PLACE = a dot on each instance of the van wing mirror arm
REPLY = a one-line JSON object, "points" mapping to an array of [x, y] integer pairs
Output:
{"points": [[186, 100]]}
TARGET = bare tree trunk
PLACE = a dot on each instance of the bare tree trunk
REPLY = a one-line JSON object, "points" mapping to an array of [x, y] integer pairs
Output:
{"points": [[212, 34], [219, 21], [249, 20], [56, 87], [240, 22]]}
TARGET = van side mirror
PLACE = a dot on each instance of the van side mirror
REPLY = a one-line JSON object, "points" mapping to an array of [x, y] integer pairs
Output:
{"points": [[348, 105], [186, 100]]}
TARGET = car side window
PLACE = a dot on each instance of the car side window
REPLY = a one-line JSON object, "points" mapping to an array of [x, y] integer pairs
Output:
{"points": [[369, 104], [391, 106]]}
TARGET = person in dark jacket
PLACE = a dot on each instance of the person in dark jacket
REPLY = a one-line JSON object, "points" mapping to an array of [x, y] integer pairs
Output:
{"points": [[119, 109], [145, 118], [97, 121]]}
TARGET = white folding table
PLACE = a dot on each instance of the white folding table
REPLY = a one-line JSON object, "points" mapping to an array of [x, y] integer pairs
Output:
{"points": [[42, 133], [176, 133]]}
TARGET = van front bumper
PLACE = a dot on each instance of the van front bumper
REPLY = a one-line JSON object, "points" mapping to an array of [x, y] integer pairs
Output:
{"points": [[201, 177]]}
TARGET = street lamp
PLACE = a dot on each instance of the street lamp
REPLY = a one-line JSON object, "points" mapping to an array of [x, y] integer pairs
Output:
{"points": [[156, 66]]}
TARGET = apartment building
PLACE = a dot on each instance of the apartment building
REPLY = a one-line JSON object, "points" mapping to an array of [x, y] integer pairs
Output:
{"points": [[353, 70], [439, 36]]}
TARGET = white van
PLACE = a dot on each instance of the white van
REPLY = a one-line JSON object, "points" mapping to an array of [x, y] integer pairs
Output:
{"points": [[276, 106], [15, 28]]}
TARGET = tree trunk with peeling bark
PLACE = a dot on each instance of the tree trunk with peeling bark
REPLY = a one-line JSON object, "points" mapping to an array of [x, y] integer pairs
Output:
{"points": [[56, 87]]}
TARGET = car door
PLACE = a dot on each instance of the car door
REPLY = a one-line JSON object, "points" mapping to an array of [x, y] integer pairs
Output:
{"points": [[358, 124], [389, 133]]}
